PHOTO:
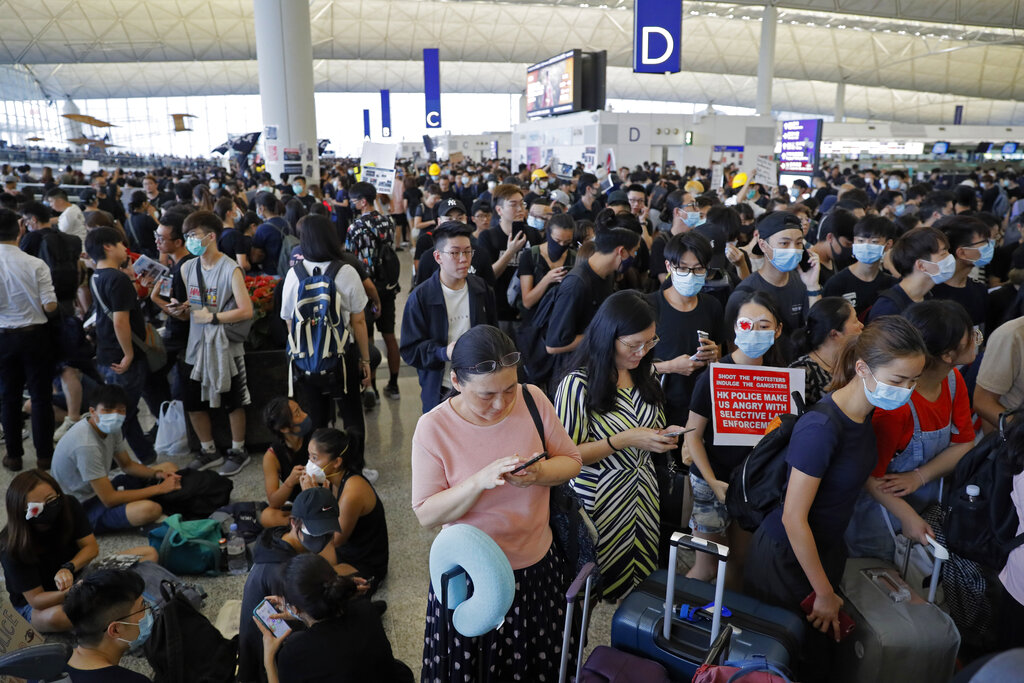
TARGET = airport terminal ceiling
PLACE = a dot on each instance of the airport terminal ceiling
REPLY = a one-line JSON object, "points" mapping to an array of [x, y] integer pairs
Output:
{"points": [[903, 60]]}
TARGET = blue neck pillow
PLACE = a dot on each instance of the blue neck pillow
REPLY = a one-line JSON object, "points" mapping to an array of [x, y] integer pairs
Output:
{"points": [[494, 585]]}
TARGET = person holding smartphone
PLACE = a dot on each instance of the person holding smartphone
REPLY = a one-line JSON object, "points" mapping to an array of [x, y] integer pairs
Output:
{"points": [[542, 267]]}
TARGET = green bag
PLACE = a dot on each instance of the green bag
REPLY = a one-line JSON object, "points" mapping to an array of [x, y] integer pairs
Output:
{"points": [[191, 547]]}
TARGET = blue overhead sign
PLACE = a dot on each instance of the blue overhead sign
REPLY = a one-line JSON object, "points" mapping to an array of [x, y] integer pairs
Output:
{"points": [[657, 36], [432, 86], [385, 113]]}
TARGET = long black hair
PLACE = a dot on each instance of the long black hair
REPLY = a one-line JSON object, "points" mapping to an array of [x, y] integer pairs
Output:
{"points": [[622, 314], [311, 584], [829, 313], [318, 239], [18, 537], [942, 324], [336, 443], [775, 356]]}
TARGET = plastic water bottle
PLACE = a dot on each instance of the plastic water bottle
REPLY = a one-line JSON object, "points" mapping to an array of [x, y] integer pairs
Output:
{"points": [[237, 564], [973, 492]]}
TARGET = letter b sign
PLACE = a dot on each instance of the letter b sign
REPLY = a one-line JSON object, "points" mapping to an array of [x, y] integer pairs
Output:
{"points": [[657, 34]]}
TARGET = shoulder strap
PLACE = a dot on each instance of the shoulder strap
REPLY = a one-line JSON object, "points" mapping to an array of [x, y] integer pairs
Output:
{"points": [[531, 405], [333, 269], [300, 271], [96, 295]]}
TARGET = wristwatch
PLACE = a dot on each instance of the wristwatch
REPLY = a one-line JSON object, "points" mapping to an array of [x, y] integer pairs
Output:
{"points": [[70, 566], [214, 320]]}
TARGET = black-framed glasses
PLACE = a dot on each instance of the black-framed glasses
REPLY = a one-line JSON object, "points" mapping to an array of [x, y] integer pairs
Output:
{"points": [[145, 608], [685, 270], [507, 361], [642, 346]]}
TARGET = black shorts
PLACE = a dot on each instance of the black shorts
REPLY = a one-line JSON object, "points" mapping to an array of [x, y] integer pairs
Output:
{"points": [[234, 398], [385, 320]]}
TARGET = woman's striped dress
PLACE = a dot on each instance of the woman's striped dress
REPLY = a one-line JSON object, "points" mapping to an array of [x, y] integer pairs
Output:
{"points": [[619, 492]]}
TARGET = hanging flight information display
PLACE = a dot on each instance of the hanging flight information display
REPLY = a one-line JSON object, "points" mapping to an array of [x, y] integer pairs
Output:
{"points": [[801, 146]]}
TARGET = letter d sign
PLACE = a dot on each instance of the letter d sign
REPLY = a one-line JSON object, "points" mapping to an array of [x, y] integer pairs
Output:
{"points": [[657, 36]]}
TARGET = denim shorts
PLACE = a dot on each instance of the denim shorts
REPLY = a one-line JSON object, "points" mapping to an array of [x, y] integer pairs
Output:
{"points": [[25, 611], [709, 515]]}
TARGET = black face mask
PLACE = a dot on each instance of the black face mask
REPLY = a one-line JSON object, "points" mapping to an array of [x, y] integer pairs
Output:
{"points": [[555, 250], [51, 512], [314, 544], [843, 259]]}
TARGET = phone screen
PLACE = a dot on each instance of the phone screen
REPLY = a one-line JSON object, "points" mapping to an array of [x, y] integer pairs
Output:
{"points": [[263, 612]]}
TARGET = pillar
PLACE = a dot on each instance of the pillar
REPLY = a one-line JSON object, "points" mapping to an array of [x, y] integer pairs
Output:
{"points": [[284, 52], [766, 61], [840, 109]]}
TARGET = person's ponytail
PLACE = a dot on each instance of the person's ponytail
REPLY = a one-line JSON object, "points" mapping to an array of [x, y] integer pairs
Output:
{"points": [[337, 592]]}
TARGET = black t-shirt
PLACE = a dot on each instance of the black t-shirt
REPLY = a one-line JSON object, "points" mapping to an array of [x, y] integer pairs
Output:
{"points": [[677, 332], [176, 331], [33, 241], [142, 232], [425, 213], [117, 293], [791, 299], [860, 294], [577, 299], [108, 674], [424, 245], [658, 254], [539, 267], [23, 576], [892, 301], [413, 196], [722, 458], [493, 243], [233, 242], [973, 297]]}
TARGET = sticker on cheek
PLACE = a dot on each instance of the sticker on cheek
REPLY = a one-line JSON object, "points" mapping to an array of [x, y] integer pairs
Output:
{"points": [[744, 324]]}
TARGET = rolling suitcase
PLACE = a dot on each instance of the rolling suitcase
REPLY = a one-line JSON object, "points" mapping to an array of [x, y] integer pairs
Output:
{"points": [[899, 635], [666, 619]]}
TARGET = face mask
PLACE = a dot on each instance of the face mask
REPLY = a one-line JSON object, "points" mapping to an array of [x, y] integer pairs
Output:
{"points": [[987, 252], [535, 222], [145, 627], [465, 180], [894, 183], [195, 246], [316, 472], [491, 185], [46, 513], [899, 209], [886, 396], [794, 192], [843, 259], [786, 260], [692, 218], [752, 194], [314, 544], [214, 187], [263, 188], [555, 250], [754, 343], [947, 267], [542, 184], [109, 423], [297, 189], [689, 284], [306, 426], [868, 253], [626, 263]]}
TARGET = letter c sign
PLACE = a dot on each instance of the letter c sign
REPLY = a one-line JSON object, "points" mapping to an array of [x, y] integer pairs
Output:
{"points": [[657, 36]]}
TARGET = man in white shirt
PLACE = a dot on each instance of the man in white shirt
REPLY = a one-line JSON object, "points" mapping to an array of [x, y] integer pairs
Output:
{"points": [[27, 300], [72, 220]]}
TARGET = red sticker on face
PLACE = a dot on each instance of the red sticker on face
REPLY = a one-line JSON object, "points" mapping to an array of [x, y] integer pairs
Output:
{"points": [[745, 324]]}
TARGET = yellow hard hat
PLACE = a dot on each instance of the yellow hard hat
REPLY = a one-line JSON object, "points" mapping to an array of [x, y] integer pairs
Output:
{"points": [[537, 175], [434, 169], [694, 187], [739, 180]]}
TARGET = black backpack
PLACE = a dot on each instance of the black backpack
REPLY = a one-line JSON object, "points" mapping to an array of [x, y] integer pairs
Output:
{"points": [[389, 270], [201, 494], [184, 647], [61, 251], [758, 485], [530, 338], [985, 531]]}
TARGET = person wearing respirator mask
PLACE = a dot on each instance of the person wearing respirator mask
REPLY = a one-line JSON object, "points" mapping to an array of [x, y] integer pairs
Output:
{"points": [[757, 327], [971, 245], [362, 543], [922, 259], [861, 282]]}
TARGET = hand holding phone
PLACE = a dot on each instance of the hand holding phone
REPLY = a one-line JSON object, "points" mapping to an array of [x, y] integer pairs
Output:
{"points": [[266, 613], [679, 432], [846, 622], [531, 461]]}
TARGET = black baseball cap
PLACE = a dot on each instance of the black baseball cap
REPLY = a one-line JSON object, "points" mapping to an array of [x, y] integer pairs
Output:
{"points": [[773, 222], [618, 197], [449, 205], [318, 511]]}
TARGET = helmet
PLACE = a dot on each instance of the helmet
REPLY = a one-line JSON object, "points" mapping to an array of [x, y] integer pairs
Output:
{"points": [[739, 180], [694, 187], [539, 174], [434, 169]]}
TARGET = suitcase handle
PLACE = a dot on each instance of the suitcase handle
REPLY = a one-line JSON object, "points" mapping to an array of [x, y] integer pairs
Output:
{"points": [[586, 578], [700, 545]]}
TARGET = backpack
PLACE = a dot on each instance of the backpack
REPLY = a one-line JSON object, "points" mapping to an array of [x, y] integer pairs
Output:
{"points": [[530, 338], [985, 532], [61, 251], [188, 547], [184, 647], [1001, 206], [288, 243], [317, 341], [155, 576], [201, 493], [389, 269], [757, 486]]}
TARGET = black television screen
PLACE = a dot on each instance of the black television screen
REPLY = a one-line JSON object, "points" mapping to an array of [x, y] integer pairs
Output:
{"points": [[983, 148], [553, 86], [940, 148]]}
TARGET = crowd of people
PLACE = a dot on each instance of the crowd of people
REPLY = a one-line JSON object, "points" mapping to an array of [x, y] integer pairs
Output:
{"points": [[598, 309]]}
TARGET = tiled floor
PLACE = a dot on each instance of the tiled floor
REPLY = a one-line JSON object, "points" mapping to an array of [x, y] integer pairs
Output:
{"points": [[389, 433]]}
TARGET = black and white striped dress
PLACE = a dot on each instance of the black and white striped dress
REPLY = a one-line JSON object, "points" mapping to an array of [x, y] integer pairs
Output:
{"points": [[619, 492]]}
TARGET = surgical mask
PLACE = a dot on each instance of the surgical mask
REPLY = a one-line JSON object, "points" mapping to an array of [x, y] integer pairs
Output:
{"points": [[987, 252], [886, 396], [535, 222], [947, 267], [626, 263], [316, 472], [868, 253], [263, 188], [296, 188], [465, 180], [754, 343], [555, 250], [314, 544], [195, 246], [899, 209], [145, 628], [752, 194], [894, 183], [44, 513], [109, 423], [786, 260], [214, 187], [491, 185], [794, 192], [688, 284], [692, 218], [542, 184]]}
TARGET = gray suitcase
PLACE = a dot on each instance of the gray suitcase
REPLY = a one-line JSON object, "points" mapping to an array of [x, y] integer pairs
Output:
{"points": [[899, 635]]}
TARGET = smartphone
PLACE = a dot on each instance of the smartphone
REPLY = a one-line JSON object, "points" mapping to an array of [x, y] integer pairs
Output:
{"points": [[702, 337], [264, 611], [805, 261], [680, 432], [529, 462]]}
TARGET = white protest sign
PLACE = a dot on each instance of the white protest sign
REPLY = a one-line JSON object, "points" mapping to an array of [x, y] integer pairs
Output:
{"points": [[767, 171], [717, 176], [378, 165], [90, 166], [746, 398], [383, 179]]}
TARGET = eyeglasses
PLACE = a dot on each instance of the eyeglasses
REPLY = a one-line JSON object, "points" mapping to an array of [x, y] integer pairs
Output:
{"points": [[643, 347], [684, 270], [459, 255], [507, 361], [195, 235], [145, 608]]}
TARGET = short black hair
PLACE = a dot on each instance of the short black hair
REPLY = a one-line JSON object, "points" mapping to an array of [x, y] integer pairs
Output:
{"points": [[479, 205], [449, 230], [875, 226], [41, 212], [919, 243], [693, 242], [100, 237], [960, 230], [9, 227], [362, 191], [57, 193], [108, 395], [174, 220], [206, 221], [267, 201], [100, 598], [608, 240]]}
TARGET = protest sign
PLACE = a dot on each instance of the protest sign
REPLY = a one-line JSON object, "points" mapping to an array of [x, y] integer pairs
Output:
{"points": [[767, 171], [383, 179], [746, 398]]}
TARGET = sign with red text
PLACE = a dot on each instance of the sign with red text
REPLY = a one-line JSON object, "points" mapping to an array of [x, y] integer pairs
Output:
{"points": [[746, 398]]}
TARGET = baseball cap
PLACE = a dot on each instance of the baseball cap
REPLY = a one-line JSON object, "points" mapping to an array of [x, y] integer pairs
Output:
{"points": [[774, 222], [10, 179], [618, 197], [449, 205], [559, 197], [716, 235], [87, 195], [318, 511]]}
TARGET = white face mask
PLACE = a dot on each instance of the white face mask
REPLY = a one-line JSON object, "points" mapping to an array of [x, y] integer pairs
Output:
{"points": [[316, 472]]}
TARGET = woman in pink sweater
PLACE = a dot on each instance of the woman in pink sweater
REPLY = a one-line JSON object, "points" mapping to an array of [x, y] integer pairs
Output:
{"points": [[463, 454]]}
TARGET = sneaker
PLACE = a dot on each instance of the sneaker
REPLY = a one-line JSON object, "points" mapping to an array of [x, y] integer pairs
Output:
{"points": [[391, 391], [205, 461], [43, 463], [405, 245], [370, 475], [67, 424], [369, 399], [233, 463], [12, 464]]}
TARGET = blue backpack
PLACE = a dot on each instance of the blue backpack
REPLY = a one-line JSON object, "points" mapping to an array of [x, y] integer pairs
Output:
{"points": [[318, 336]]}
